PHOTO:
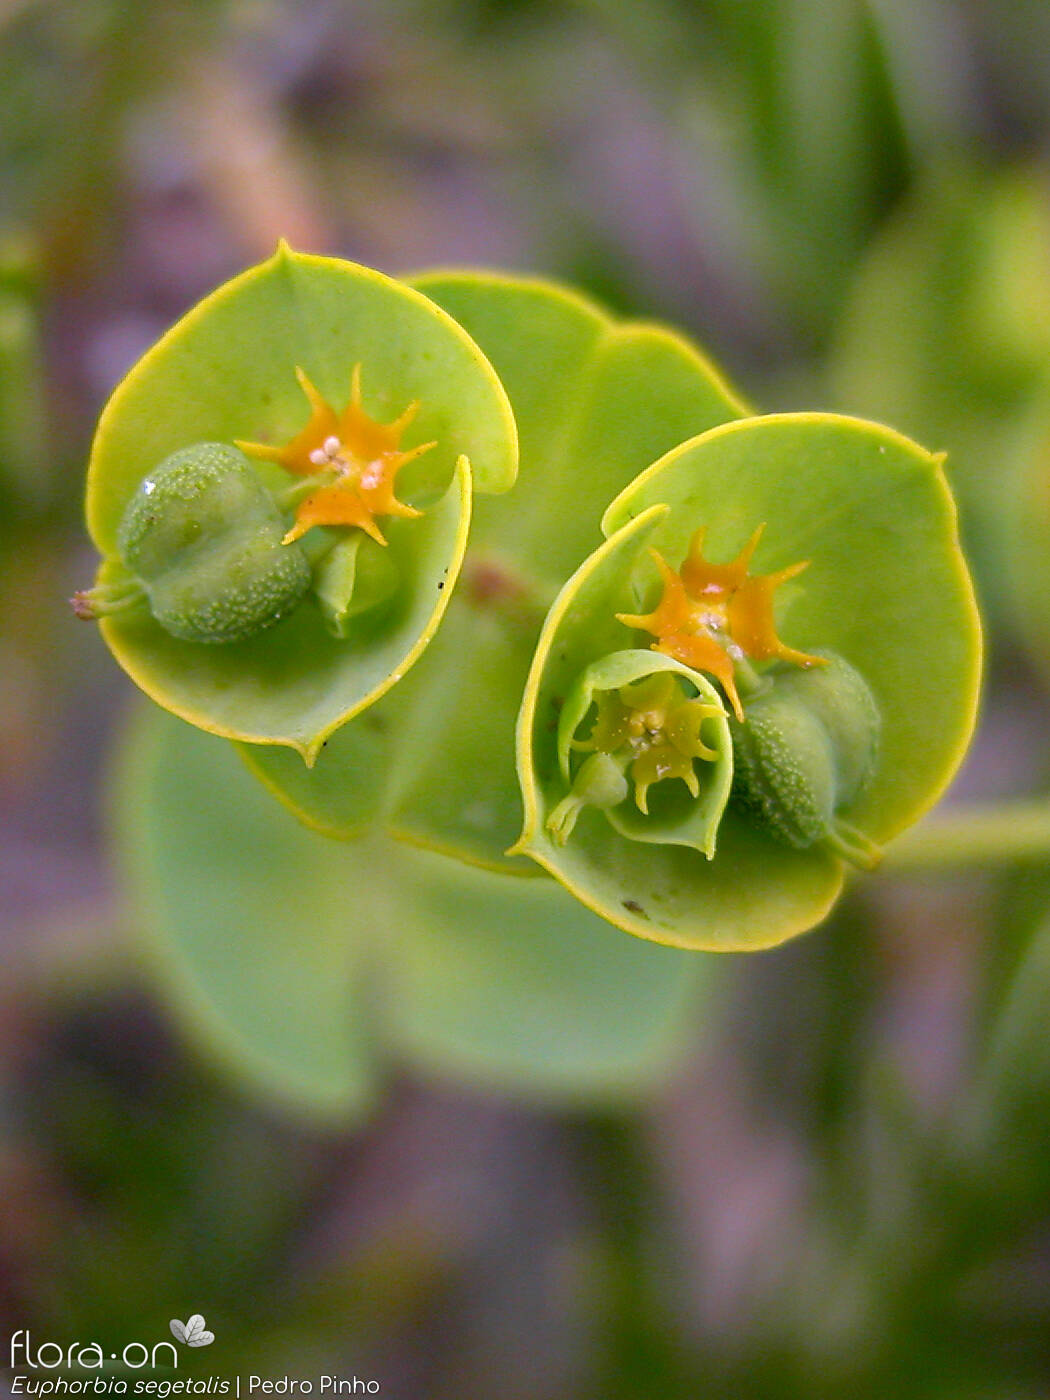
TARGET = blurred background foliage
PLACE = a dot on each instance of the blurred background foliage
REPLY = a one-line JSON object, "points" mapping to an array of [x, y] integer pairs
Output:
{"points": [[840, 1187]]}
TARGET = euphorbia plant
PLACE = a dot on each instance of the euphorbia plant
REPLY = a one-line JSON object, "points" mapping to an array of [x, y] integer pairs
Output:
{"points": [[843, 733], [768, 668], [294, 401]]}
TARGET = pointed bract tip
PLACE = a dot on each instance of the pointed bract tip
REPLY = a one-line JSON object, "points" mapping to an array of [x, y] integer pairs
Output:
{"points": [[310, 752]]}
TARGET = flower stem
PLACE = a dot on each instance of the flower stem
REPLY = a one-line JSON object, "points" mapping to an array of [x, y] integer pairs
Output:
{"points": [[291, 495], [976, 834], [748, 681]]}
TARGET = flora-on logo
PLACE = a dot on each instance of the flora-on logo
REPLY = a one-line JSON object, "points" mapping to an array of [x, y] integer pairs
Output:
{"points": [[49, 1356], [192, 1333]]}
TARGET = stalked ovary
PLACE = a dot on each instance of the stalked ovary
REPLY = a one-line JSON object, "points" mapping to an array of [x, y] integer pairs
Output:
{"points": [[200, 542]]}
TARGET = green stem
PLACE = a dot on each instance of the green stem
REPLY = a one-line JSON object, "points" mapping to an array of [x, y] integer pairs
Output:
{"points": [[635, 1350], [852, 845], [977, 834], [291, 495], [748, 680]]}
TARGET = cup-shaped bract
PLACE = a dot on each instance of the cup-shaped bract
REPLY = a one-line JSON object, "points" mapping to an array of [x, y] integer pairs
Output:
{"points": [[331, 379], [884, 589]]}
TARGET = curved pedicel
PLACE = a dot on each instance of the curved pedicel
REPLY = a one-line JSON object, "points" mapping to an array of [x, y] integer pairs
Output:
{"points": [[853, 684], [281, 492]]}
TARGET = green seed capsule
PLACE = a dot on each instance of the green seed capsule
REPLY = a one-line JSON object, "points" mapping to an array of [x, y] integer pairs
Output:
{"points": [[204, 537], [805, 751]]}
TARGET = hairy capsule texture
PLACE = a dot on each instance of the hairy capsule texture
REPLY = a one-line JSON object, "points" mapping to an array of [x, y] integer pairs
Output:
{"points": [[203, 536], [805, 751]]}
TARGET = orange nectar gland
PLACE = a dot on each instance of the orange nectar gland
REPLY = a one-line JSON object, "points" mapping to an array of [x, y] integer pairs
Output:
{"points": [[712, 616], [363, 456]]}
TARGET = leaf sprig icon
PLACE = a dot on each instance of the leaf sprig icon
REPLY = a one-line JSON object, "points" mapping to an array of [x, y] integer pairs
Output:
{"points": [[192, 1333]]}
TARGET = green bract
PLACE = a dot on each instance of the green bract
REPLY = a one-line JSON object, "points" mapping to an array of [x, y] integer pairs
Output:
{"points": [[770, 663], [581, 640], [595, 400], [228, 373], [885, 590]]}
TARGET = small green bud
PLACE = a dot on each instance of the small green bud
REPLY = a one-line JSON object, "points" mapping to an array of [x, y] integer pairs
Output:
{"points": [[204, 537], [805, 750], [600, 783]]}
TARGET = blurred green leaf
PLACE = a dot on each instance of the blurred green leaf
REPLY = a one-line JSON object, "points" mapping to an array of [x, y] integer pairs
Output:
{"points": [[511, 982], [1026, 519], [303, 961], [26, 447], [245, 912], [946, 334]]}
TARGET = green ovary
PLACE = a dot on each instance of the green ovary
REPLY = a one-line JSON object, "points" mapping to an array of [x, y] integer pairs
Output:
{"points": [[804, 753], [203, 536]]}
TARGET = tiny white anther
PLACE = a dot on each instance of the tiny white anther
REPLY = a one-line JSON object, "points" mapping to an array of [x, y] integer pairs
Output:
{"points": [[319, 457], [332, 446]]}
